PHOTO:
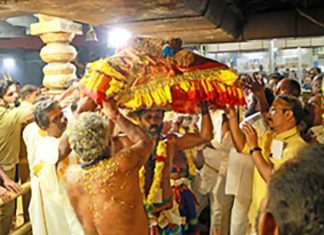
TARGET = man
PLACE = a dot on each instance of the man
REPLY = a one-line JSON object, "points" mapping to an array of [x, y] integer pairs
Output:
{"points": [[296, 196], [314, 71], [29, 94], [313, 119], [11, 120], [317, 85], [10, 93], [105, 189], [273, 80], [288, 87], [50, 210], [273, 148], [160, 198], [211, 180]]}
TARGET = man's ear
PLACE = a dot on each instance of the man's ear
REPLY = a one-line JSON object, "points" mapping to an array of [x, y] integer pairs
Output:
{"points": [[267, 225], [289, 114]]}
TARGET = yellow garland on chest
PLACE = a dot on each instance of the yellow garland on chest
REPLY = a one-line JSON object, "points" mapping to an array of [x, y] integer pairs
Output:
{"points": [[161, 155], [190, 154]]}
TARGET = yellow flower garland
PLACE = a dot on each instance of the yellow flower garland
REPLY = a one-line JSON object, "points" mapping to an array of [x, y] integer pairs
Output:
{"points": [[189, 155], [161, 155], [191, 165]]}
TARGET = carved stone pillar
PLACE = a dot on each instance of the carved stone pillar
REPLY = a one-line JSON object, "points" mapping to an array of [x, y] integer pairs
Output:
{"points": [[57, 33]]}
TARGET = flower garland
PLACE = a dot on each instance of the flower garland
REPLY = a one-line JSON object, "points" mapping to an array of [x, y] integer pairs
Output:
{"points": [[189, 156], [161, 155], [191, 165]]}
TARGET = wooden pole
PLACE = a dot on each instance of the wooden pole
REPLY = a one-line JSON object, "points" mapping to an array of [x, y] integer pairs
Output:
{"points": [[22, 230], [25, 188]]}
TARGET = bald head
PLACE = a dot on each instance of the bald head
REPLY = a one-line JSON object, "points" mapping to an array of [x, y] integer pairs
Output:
{"points": [[288, 87]]}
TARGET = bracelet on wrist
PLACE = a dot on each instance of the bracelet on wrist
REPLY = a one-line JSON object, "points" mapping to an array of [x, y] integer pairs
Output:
{"points": [[255, 149]]}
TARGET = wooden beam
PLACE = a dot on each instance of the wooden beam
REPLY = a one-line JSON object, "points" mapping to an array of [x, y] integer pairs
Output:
{"points": [[25, 188], [23, 230], [283, 24], [221, 14]]}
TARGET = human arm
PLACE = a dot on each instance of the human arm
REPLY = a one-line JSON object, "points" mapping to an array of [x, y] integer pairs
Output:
{"points": [[143, 145], [28, 114], [198, 157], [256, 84], [193, 139], [264, 168], [68, 96], [236, 133], [9, 184], [84, 104], [4, 194]]}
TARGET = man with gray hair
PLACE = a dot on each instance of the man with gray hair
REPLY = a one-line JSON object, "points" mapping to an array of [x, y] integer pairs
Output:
{"points": [[295, 202], [50, 210], [105, 189]]}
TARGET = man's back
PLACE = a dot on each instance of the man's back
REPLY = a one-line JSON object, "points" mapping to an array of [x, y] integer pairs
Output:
{"points": [[107, 198]]}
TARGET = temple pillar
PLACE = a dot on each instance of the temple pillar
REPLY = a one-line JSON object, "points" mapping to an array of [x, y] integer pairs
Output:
{"points": [[57, 34]]}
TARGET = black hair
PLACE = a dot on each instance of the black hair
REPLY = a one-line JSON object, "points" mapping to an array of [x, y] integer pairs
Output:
{"points": [[296, 193], [277, 76], [318, 70], [4, 86], [27, 90], [140, 112], [294, 87]]}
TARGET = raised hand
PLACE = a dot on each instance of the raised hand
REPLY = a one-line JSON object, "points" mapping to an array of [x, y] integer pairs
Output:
{"points": [[255, 83], [250, 135], [110, 109], [230, 112]]}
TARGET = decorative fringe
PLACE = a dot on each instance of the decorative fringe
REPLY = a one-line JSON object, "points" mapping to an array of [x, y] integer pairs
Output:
{"points": [[182, 93], [140, 76], [102, 81]]}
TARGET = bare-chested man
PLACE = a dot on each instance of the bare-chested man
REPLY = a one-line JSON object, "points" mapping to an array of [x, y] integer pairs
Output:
{"points": [[152, 122], [104, 190]]}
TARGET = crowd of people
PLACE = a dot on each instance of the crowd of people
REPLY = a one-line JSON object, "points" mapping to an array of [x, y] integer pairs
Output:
{"points": [[96, 170]]}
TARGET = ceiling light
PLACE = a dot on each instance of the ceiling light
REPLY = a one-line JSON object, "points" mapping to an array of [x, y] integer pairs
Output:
{"points": [[118, 37], [9, 63]]}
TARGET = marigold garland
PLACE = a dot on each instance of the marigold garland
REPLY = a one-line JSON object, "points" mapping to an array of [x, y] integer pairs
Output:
{"points": [[189, 155], [161, 155]]}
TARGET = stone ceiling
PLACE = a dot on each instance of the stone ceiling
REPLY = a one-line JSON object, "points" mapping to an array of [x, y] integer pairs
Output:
{"points": [[195, 21]]}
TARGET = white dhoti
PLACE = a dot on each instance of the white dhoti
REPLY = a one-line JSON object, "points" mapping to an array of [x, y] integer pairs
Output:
{"points": [[50, 210]]}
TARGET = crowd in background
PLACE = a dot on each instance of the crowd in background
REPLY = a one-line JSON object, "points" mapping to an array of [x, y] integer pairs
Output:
{"points": [[229, 175]]}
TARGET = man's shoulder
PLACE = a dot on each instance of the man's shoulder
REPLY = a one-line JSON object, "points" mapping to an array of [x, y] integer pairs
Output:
{"points": [[297, 142], [72, 175], [31, 128], [11, 114]]}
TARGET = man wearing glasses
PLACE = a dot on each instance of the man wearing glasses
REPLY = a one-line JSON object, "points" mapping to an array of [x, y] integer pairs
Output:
{"points": [[277, 145]]}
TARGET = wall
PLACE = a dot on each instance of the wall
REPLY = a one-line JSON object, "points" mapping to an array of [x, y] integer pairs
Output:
{"points": [[27, 67]]}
